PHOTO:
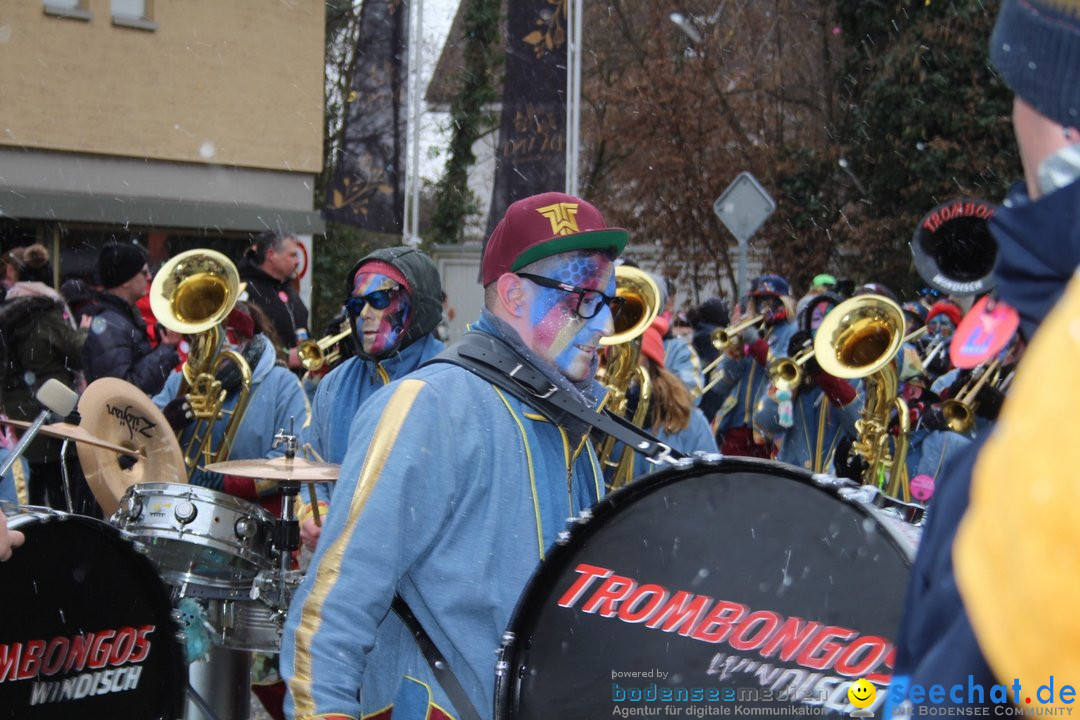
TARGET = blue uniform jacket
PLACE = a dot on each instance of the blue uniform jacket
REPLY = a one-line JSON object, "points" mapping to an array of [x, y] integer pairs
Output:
{"points": [[743, 381], [1038, 251], [798, 443], [450, 493], [276, 398]]}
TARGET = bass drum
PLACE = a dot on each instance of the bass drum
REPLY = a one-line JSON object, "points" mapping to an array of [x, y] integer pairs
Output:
{"points": [[86, 629], [710, 590]]}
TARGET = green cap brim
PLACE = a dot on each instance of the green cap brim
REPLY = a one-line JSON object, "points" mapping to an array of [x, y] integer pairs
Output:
{"points": [[607, 239]]}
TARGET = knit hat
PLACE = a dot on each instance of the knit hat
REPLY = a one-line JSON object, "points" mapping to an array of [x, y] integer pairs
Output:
{"points": [[770, 285], [544, 225], [714, 312], [946, 308], [652, 344], [1036, 48], [118, 262], [378, 267], [241, 322]]}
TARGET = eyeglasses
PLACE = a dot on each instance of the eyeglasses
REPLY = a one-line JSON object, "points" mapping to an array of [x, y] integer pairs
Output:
{"points": [[380, 300], [589, 302]]}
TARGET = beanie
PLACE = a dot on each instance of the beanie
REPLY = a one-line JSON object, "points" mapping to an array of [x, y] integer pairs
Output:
{"points": [[1036, 48], [380, 267], [119, 262], [652, 345], [714, 312], [946, 308]]}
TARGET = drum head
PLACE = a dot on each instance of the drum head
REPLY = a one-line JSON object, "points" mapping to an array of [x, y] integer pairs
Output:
{"points": [[86, 630], [738, 583]]}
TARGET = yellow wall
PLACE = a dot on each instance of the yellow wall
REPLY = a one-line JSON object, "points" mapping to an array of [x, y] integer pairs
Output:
{"points": [[240, 78]]}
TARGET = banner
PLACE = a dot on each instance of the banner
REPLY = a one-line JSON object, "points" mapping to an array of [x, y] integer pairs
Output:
{"points": [[531, 155], [368, 185]]}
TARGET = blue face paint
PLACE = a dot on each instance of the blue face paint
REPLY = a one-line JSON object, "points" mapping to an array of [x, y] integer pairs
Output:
{"points": [[560, 335], [379, 328]]}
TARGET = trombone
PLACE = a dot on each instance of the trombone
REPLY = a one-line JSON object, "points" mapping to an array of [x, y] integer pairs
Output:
{"points": [[723, 338], [959, 412], [786, 373], [314, 354]]}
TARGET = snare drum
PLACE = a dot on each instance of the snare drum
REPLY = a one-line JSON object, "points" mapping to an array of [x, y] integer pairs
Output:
{"points": [[740, 582], [86, 629], [212, 542]]}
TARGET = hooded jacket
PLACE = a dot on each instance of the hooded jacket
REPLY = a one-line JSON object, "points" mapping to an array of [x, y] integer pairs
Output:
{"points": [[277, 299], [455, 492], [1038, 252]]}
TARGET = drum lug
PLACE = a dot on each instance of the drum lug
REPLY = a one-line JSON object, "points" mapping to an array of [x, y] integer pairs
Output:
{"points": [[185, 511], [245, 528]]}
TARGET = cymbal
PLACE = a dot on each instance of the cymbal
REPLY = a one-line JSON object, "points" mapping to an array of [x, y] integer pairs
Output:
{"points": [[121, 413], [67, 431], [279, 468]]}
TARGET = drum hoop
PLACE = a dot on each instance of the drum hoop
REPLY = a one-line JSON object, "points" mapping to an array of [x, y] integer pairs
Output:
{"points": [[139, 565], [590, 522]]}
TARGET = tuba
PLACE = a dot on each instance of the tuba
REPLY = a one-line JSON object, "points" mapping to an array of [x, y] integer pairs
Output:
{"points": [[953, 249], [859, 339], [192, 294], [642, 305]]}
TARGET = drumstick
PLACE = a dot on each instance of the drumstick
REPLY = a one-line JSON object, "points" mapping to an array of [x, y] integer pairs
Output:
{"points": [[314, 505]]}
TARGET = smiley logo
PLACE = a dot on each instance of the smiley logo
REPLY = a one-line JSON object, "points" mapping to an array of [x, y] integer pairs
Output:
{"points": [[862, 693]]}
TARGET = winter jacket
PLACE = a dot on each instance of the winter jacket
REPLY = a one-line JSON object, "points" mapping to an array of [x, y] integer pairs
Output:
{"points": [[277, 299], [1038, 252], [276, 400], [118, 346], [798, 443], [743, 381], [456, 491], [682, 361], [38, 342]]}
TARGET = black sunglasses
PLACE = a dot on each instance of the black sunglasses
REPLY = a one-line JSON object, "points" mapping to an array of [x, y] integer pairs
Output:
{"points": [[379, 300], [589, 302]]}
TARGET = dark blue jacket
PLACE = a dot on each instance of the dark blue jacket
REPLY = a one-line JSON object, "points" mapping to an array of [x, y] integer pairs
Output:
{"points": [[1038, 251], [118, 346]]}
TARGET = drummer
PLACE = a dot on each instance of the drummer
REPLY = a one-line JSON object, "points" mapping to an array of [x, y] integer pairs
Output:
{"points": [[457, 488], [394, 303], [276, 401]]}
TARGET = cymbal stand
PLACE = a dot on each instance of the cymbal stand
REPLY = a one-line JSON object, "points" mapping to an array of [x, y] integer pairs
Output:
{"points": [[65, 477], [286, 530]]}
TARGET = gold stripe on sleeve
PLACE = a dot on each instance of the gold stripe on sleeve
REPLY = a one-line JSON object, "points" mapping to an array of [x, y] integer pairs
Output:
{"points": [[328, 571]]}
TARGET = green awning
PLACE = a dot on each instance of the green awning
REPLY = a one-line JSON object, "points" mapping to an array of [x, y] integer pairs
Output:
{"points": [[153, 213]]}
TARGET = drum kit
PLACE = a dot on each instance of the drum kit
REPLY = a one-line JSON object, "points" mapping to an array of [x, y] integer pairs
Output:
{"points": [[757, 582], [169, 598]]}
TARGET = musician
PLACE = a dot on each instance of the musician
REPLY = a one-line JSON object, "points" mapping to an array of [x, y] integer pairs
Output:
{"points": [[276, 401], [394, 305], [808, 421], [1033, 47], [742, 370], [9, 539], [458, 488]]}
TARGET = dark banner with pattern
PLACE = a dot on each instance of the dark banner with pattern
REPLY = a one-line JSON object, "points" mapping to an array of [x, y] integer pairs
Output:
{"points": [[531, 156], [368, 186]]}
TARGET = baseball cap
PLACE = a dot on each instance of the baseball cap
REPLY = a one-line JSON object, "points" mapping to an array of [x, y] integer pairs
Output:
{"points": [[544, 225], [770, 285]]}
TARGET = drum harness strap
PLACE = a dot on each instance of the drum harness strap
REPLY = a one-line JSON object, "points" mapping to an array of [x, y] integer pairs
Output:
{"points": [[493, 360]]}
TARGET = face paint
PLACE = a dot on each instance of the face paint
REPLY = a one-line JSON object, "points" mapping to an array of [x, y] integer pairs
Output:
{"points": [[818, 314], [379, 329], [940, 325], [559, 334]]}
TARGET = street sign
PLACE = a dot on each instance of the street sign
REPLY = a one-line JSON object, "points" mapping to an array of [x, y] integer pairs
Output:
{"points": [[744, 207]]}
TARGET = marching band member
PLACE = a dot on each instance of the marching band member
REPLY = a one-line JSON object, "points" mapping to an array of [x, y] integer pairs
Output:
{"points": [[394, 305], [808, 421], [742, 370], [454, 488], [1033, 47]]}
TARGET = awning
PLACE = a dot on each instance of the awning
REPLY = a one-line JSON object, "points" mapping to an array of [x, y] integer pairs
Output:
{"points": [[154, 213]]}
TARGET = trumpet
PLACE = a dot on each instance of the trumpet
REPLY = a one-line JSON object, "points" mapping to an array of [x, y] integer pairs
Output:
{"points": [[786, 373], [959, 412], [723, 338], [314, 354]]}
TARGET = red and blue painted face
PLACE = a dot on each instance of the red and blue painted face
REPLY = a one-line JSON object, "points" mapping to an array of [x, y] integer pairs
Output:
{"points": [[379, 309], [940, 325], [560, 333]]}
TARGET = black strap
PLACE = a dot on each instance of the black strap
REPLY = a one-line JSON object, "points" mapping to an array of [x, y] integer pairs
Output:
{"points": [[443, 674], [495, 361]]}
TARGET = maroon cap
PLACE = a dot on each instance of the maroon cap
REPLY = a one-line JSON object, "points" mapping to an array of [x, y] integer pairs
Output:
{"points": [[544, 225]]}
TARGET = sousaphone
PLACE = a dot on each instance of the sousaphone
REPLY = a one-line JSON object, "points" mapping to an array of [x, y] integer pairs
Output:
{"points": [[120, 413]]}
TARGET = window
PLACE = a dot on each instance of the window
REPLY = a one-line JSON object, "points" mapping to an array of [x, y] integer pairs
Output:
{"points": [[133, 13], [75, 9]]}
